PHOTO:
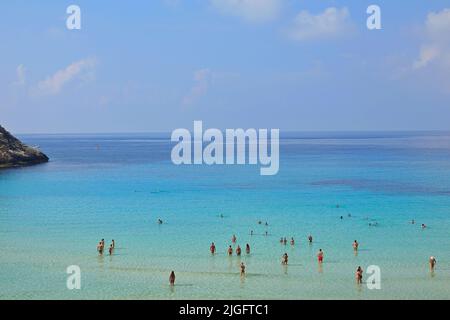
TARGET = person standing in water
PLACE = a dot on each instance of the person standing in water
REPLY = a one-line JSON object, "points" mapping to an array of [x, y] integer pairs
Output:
{"points": [[292, 241], [233, 239], [247, 249], [113, 243], [238, 251], [432, 262], [284, 259], [359, 275], [111, 248], [242, 269], [355, 245], [230, 251], [100, 248], [172, 278], [320, 256], [213, 248]]}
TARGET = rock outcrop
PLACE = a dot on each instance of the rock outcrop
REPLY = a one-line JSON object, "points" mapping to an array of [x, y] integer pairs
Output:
{"points": [[13, 153]]}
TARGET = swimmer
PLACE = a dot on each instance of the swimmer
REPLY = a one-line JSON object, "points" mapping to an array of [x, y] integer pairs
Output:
{"points": [[247, 249], [221, 215], [238, 250], [359, 275], [212, 248], [349, 215], [342, 217], [160, 221], [320, 256], [423, 226], [267, 233], [310, 239], [292, 241], [259, 222], [230, 251], [413, 221], [432, 262], [284, 259], [285, 241], [233, 239], [251, 233], [267, 224], [172, 278], [242, 269], [355, 245]]}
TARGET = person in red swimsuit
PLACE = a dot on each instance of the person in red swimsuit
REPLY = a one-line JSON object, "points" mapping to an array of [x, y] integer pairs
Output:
{"points": [[320, 256]]}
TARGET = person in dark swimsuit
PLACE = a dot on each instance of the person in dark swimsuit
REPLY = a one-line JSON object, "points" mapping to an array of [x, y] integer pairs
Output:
{"points": [[172, 278]]}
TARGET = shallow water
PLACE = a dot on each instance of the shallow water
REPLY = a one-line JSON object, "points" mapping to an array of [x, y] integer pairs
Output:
{"points": [[117, 186]]}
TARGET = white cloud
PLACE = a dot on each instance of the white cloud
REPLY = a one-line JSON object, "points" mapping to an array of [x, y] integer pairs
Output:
{"points": [[202, 81], [55, 83], [436, 47], [331, 23], [249, 10], [21, 76]]}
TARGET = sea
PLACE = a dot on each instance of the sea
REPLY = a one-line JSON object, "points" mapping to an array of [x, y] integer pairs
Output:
{"points": [[337, 187]]}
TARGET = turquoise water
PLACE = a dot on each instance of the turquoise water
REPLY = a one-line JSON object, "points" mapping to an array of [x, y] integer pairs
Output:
{"points": [[117, 186]]}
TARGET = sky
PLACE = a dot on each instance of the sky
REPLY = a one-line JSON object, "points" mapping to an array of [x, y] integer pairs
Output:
{"points": [[294, 65]]}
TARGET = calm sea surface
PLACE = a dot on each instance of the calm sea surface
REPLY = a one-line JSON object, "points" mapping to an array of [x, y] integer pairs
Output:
{"points": [[117, 186]]}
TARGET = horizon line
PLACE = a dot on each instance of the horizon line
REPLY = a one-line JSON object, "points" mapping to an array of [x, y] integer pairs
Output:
{"points": [[281, 131]]}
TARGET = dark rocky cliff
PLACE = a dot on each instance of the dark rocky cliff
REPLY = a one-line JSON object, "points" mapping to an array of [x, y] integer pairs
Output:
{"points": [[14, 153]]}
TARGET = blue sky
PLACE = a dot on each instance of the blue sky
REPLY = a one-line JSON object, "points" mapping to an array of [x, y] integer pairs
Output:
{"points": [[141, 66]]}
